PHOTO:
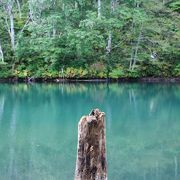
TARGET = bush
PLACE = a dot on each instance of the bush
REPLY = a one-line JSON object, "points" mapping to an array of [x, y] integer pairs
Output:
{"points": [[155, 69], [71, 72], [5, 71], [97, 70], [176, 71], [135, 73], [118, 72]]}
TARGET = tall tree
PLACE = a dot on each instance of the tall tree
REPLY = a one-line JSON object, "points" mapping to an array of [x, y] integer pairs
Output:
{"points": [[99, 8], [1, 53], [109, 42], [9, 20]]}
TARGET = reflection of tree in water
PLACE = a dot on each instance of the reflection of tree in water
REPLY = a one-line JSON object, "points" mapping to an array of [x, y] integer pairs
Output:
{"points": [[2, 100], [143, 127], [12, 172], [148, 135]]}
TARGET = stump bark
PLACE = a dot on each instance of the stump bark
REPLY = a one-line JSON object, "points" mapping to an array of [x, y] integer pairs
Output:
{"points": [[91, 161]]}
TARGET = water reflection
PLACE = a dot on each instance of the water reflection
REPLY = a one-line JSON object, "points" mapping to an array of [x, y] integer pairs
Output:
{"points": [[12, 141], [38, 129], [1, 107]]}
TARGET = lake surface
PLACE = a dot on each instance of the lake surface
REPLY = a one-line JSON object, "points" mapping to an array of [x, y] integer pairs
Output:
{"points": [[38, 129]]}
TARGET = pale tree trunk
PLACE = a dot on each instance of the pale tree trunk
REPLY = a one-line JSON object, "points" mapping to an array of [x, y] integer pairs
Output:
{"points": [[91, 161], [131, 60], [75, 5], [1, 53], [99, 8], [63, 6], [12, 33], [132, 51], [10, 22], [8, 7], [137, 48], [109, 43], [132, 44], [54, 32]]}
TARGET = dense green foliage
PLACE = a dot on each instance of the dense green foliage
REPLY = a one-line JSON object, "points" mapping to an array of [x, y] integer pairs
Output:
{"points": [[75, 39]]}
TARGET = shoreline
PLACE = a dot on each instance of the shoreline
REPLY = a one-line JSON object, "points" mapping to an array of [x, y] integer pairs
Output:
{"points": [[92, 80]]}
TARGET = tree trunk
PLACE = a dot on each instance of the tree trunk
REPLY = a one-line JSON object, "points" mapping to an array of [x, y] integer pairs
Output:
{"points": [[91, 155], [137, 48], [132, 43], [109, 43], [11, 17], [10, 27], [99, 8], [1, 53]]}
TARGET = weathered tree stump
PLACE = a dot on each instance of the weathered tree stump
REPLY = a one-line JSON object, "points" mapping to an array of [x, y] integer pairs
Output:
{"points": [[91, 161]]}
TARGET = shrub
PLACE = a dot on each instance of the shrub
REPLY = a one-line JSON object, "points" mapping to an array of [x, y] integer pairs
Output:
{"points": [[97, 70], [176, 70], [135, 73], [118, 72], [155, 69]]}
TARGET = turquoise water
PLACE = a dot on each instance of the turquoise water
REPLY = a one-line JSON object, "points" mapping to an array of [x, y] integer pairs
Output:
{"points": [[38, 129]]}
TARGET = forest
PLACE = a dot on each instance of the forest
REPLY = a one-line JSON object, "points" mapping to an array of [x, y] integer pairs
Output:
{"points": [[86, 39]]}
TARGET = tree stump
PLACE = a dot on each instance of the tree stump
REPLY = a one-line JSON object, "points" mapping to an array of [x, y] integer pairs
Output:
{"points": [[91, 161]]}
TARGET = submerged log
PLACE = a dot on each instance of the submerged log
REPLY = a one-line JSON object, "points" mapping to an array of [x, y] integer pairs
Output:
{"points": [[91, 161]]}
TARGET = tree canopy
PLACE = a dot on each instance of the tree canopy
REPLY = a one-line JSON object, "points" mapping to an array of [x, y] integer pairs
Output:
{"points": [[89, 38]]}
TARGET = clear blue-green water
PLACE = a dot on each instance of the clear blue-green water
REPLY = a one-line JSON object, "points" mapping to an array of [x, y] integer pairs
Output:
{"points": [[38, 129]]}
